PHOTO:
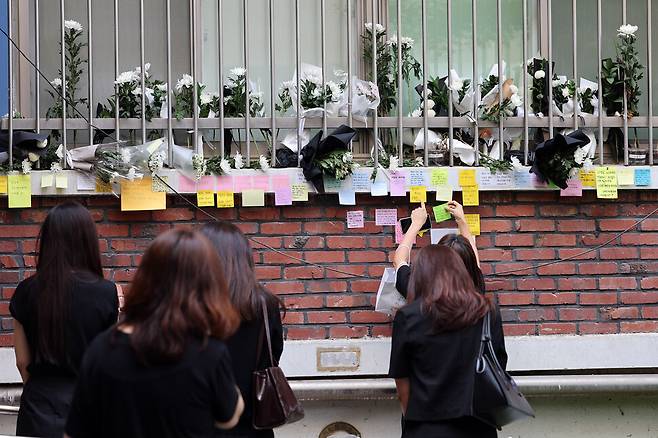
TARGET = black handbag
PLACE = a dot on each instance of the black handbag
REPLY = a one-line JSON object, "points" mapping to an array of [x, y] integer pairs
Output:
{"points": [[274, 402], [497, 399]]}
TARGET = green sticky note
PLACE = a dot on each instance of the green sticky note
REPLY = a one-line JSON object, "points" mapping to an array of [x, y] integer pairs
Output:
{"points": [[441, 213], [253, 198], [439, 177]]}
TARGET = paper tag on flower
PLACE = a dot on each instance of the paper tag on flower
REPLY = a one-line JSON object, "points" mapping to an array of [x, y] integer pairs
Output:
{"points": [[225, 199], [606, 183], [441, 213], [473, 221], [471, 196], [418, 194]]}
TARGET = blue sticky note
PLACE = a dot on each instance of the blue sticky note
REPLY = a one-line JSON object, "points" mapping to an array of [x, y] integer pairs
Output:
{"points": [[642, 177]]}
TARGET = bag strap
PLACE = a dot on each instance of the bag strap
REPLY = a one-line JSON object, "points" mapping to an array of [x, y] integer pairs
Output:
{"points": [[266, 322], [487, 342]]}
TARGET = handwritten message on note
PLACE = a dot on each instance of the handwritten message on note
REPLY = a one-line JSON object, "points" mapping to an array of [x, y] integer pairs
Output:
{"points": [[138, 195], [19, 191], [439, 177], [386, 216], [398, 184], [46, 180], [225, 199], [588, 178], [418, 194], [471, 196], [441, 213], [574, 188], [355, 219], [331, 185], [473, 221], [642, 177], [62, 181], [498, 179], [361, 180], [417, 177], [606, 183], [467, 177], [205, 198], [300, 192]]}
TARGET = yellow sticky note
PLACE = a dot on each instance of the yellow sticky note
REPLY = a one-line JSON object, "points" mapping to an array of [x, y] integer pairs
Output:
{"points": [[439, 177], [418, 193], [444, 193], [62, 181], [300, 192], [606, 183], [103, 187], [471, 196], [473, 221], [467, 177], [225, 199], [253, 198], [626, 176], [139, 195], [588, 178], [3, 183], [205, 198], [19, 191], [47, 180]]}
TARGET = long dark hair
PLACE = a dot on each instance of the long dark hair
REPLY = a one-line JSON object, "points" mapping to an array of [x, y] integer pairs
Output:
{"points": [[238, 265], [68, 245], [440, 280], [178, 293], [463, 247]]}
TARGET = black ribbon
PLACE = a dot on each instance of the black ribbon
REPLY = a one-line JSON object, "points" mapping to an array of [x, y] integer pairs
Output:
{"points": [[545, 152], [24, 142]]}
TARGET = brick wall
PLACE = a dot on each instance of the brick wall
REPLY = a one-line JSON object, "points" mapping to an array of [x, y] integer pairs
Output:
{"points": [[612, 290]]}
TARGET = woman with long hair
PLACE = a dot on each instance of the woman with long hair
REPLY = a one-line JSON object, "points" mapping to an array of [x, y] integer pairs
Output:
{"points": [[435, 345], [247, 346], [57, 313], [164, 370]]}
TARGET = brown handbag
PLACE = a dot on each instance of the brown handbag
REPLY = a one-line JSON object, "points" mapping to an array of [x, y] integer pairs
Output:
{"points": [[274, 402]]}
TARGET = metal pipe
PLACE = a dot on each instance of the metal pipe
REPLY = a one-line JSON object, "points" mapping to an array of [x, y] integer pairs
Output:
{"points": [[10, 76], [625, 115], [63, 66], [142, 65], [37, 62], [574, 29], [272, 84], [323, 64], [375, 123], [90, 70], [247, 113], [116, 71], [525, 83], [450, 98], [475, 83], [349, 68], [170, 132], [499, 28], [195, 94], [424, 100], [400, 103], [599, 31], [550, 68], [298, 71], [650, 81], [220, 71]]}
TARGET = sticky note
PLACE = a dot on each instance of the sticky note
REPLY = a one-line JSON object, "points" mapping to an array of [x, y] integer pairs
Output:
{"points": [[439, 177], [225, 199], [159, 184], [347, 197], [242, 183], [441, 213], [62, 181], [642, 177], [398, 182], [418, 193], [253, 198], [355, 219], [574, 188], [386, 216], [417, 177], [206, 183], [444, 193], [625, 176], [103, 187], [497, 179], [331, 185], [361, 181], [3, 183], [86, 182], [186, 185], [588, 178], [379, 186], [224, 183], [300, 192], [467, 177], [473, 222], [606, 183], [260, 182], [283, 195], [523, 179], [470, 196], [19, 191], [205, 198], [139, 195], [47, 180]]}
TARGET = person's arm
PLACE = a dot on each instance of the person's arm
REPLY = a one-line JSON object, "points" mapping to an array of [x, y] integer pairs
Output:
{"points": [[403, 252], [22, 351], [239, 408], [402, 386], [457, 211], [120, 296]]}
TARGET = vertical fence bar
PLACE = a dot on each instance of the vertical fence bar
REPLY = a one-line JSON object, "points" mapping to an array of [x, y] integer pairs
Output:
{"points": [[247, 110], [195, 94], [90, 70], [400, 103], [499, 29], [142, 69], [220, 76], [599, 31], [10, 77], [550, 68], [37, 62], [650, 81], [63, 66], [450, 98], [349, 68], [298, 104], [625, 115], [525, 83], [375, 123], [170, 133], [323, 64], [475, 83], [574, 30], [423, 19], [272, 84], [116, 71]]}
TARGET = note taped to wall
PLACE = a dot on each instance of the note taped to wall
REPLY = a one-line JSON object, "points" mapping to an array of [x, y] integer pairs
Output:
{"points": [[471, 196], [606, 183], [138, 195], [444, 193], [225, 199], [253, 198], [19, 191], [3, 184], [588, 178], [418, 194], [439, 177], [473, 221], [205, 198], [467, 177], [300, 192]]}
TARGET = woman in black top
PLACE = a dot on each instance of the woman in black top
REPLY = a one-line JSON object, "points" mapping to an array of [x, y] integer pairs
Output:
{"points": [[247, 296], [57, 313], [164, 370], [435, 346]]}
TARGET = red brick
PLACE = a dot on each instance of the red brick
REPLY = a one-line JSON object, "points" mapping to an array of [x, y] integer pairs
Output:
{"points": [[247, 227], [575, 283], [495, 225], [583, 314], [620, 313], [281, 228], [326, 317], [259, 242], [596, 328], [130, 245], [112, 230], [618, 253], [535, 254], [268, 272], [9, 262], [576, 225], [293, 318], [639, 326], [31, 215], [302, 272], [368, 316], [525, 225], [597, 268], [285, 287], [326, 286], [617, 283], [334, 227], [557, 328], [259, 214], [557, 210], [382, 331], [576, 254], [381, 242], [597, 239], [515, 299], [19, 231], [348, 332], [547, 299], [650, 312], [535, 284], [129, 216], [495, 255], [348, 301], [639, 239], [639, 297], [346, 242], [556, 240], [301, 333], [347, 271], [8, 246], [598, 210], [615, 224], [494, 285], [304, 302], [649, 225], [304, 213], [515, 210], [538, 314], [173, 214], [6, 340], [563, 268], [323, 257], [519, 329], [599, 298], [522, 269], [366, 256], [649, 283], [515, 240], [283, 258]]}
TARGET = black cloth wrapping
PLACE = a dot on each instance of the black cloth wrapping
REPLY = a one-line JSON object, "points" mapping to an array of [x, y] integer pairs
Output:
{"points": [[24, 142], [440, 109], [317, 148], [546, 151]]}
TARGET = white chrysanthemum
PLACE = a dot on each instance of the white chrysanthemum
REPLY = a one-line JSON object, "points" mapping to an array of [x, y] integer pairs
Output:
{"points": [[185, 81], [26, 166], [288, 85], [238, 71], [264, 163], [55, 167], [156, 162], [57, 82], [457, 85], [431, 113], [317, 93], [334, 88], [556, 83], [138, 70], [225, 165], [126, 77], [131, 174], [429, 104], [565, 92], [516, 100], [239, 162], [33, 157], [516, 164], [125, 155], [161, 87], [418, 162], [417, 113], [378, 28], [573, 173], [341, 74], [256, 95], [199, 166], [205, 98], [540, 74], [394, 163], [617, 114], [73, 25], [427, 93], [594, 101], [627, 30], [588, 166], [580, 154], [148, 92], [347, 157], [514, 89]]}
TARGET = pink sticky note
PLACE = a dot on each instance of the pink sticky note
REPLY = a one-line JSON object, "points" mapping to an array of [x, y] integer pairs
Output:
{"points": [[386, 216], [574, 188], [355, 219], [277, 181], [225, 183], [242, 183], [283, 195], [186, 184], [206, 183], [260, 182], [398, 184]]}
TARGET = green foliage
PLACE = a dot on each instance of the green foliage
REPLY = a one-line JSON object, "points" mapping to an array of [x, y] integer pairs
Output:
{"points": [[624, 70], [495, 165], [337, 164]]}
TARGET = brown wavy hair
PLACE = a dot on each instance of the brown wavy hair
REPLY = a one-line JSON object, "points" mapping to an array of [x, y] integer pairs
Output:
{"points": [[178, 293], [445, 289], [463, 247]]}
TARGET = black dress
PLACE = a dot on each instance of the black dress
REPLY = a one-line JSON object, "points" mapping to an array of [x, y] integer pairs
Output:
{"points": [[244, 354], [47, 394], [117, 396]]}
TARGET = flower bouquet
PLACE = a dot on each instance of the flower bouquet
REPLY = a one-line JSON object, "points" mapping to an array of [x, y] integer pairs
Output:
{"points": [[560, 158]]}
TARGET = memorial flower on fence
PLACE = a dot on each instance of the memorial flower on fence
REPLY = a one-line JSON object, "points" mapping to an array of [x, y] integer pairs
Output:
{"points": [[491, 108], [624, 72], [313, 95]]}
